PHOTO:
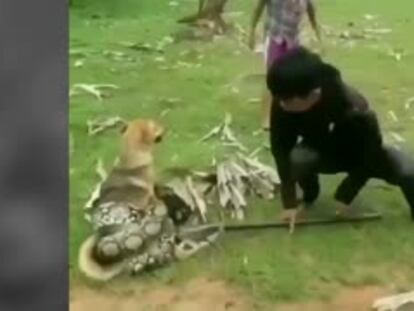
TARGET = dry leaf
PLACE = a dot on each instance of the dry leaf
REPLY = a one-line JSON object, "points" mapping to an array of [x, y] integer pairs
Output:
{"points": [[255, 151], [254, 100], [241, 201], [397, 137], [393, 116], [235, 90], [397, 56], [116, 54], [159, 59], [100, 170], [226, 134], [199, 202], [378, 31], [215, 131], [408, 103], [170, 101], [370, 17], [164, 42], [102, 174], [142, 47], [165, 112], [93, 196], [185, 64], [236, 145], [93, 89], [79, 63], [98, 126]]}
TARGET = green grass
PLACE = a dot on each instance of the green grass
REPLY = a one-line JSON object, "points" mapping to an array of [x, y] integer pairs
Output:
{"points": [[270, 265]]}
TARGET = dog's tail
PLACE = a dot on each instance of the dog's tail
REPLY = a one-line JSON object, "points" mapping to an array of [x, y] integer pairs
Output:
{"points": [[93, 269]]}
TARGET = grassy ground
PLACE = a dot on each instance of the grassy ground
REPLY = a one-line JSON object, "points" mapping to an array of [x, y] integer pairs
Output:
{"points": [[270, 264]]}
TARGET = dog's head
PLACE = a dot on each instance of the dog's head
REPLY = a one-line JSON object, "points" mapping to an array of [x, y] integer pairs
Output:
{"points": [[142, 133], [138, 139]]}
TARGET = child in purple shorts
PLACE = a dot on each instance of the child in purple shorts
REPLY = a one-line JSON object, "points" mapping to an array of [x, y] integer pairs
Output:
{"points": [[282, 27]]}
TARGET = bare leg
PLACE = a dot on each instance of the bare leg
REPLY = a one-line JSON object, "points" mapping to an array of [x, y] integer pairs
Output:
{"points": [[266, 105], [267, 96], [200, 5]]}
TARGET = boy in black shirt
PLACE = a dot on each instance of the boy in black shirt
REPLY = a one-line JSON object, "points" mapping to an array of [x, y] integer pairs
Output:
{"points": [[319, 124]]}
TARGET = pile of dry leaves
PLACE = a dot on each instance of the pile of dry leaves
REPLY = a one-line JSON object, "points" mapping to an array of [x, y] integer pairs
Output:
{"points": [[228, 184]]}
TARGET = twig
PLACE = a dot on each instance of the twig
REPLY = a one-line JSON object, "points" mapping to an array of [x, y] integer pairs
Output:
{"points": [[93, 89]]}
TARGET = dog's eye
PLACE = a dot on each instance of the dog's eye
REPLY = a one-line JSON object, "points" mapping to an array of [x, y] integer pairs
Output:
{"points": [[158, 138]]}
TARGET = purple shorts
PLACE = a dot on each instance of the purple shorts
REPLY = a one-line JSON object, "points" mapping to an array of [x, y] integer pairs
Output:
{"points": [[275, 49]]}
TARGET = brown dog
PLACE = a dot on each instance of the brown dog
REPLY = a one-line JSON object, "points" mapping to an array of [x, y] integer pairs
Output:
{"points": [[131, 182], [132, 179]]}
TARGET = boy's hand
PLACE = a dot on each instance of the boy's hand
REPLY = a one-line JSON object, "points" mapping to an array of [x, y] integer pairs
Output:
{"points": [[291, 215]]}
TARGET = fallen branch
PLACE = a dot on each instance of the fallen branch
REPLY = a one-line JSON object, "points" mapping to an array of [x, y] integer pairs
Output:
{"points": [[102, 174], [304, 222]]}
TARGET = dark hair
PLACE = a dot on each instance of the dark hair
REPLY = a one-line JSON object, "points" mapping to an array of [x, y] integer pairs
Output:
{"points": [[298, 73]]}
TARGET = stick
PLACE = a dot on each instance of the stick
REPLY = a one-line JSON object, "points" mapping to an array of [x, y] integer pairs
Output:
{"points": [[309, 222]]}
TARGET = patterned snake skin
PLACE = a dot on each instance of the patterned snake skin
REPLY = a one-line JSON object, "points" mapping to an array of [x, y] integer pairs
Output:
{"points": [[145, 239]]}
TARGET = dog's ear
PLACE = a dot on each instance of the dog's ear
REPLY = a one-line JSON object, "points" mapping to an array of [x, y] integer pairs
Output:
{"points": [[124, 127]]}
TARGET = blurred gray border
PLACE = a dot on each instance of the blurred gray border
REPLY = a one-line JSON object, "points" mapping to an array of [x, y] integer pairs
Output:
{"points": [[33, 155]]}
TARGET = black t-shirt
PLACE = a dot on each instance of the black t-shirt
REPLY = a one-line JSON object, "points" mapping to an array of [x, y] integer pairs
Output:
{"points": [[340, 127]]}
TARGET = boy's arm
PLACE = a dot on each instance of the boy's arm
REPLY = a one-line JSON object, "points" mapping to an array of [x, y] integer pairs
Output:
{"points": [[312, 19], [283, 139], [257, 13]]}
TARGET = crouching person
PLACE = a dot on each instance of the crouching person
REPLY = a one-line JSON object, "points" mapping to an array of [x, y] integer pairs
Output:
{"points": [[321, 125]]}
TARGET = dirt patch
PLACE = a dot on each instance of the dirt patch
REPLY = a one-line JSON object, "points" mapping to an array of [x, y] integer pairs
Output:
{"points": [[359, 299], [207, 295], [199, 294]]}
